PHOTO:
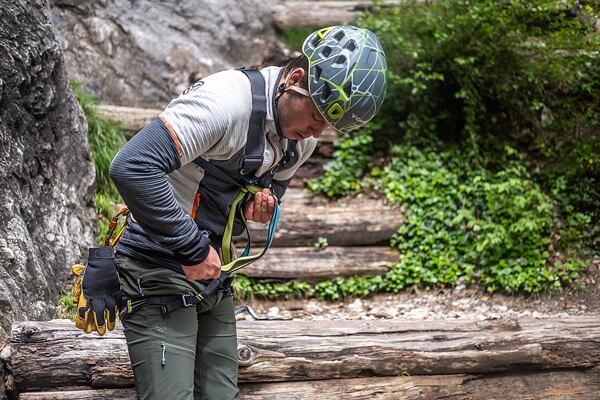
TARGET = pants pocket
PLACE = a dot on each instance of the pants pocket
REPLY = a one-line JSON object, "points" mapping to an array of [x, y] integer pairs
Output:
{"points": [[164, 371]]}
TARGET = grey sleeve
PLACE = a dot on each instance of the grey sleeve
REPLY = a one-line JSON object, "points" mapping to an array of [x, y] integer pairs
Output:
{"points": [[139, 171]]}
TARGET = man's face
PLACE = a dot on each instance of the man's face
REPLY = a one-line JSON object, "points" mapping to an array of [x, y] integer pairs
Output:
{"points": [[298, 115]]}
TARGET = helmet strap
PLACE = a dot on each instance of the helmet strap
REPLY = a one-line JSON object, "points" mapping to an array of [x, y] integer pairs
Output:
{"points": [[278, 92]]}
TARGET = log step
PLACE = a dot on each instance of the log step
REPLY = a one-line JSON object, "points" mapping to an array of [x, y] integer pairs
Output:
{"points": [[352, 222], [562, 385], [44, 353], [312, 264]]}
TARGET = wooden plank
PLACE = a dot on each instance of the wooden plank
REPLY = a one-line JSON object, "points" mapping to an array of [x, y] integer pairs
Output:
{"points": [[44, 353], [313, 264], [553, 385]]}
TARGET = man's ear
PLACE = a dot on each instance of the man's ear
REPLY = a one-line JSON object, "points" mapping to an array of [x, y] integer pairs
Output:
{"points": [[296, 75]]}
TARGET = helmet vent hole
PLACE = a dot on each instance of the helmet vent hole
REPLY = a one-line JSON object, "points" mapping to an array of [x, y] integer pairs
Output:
{"points": [[340, 60], [339, 35], [326, 51], [326, 92], [351, 45], [348, 89], [317, 75]]}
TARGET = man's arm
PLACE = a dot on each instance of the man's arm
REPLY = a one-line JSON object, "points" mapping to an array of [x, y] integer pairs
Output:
{"points": [[139, 171]]}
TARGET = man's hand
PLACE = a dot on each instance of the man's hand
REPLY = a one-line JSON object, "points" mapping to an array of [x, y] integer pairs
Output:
{"points": [[210, 268], [261, 208]]}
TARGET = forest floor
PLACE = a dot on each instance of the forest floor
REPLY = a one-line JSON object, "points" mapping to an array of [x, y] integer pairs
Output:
{"points": [[582, 298]]}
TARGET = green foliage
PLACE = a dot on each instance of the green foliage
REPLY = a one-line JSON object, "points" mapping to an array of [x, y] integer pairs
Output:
{"points": [[477, 75], [321, 242], [246, 288], [65, 301], [571, 172], [106, 138], [294, 37], [465, 221], [354, 286], [461, 68], [353, 155]]}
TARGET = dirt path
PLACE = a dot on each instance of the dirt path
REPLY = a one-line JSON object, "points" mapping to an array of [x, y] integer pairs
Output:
{"points": [[583, 298]]}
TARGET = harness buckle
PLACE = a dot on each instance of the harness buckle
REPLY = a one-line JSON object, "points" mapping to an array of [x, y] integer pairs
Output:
{"points": [[185, 302]]}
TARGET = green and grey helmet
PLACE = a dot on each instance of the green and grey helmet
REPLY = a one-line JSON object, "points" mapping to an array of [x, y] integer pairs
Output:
{"points": [[346, 74]]}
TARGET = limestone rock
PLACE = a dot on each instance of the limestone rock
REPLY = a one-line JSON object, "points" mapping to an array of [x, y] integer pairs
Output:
{"points": [[143, 53], [46, 176]]}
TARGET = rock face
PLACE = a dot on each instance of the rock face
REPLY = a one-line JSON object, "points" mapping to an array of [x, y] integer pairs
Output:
{"points": [[46, 176], [145, 52]]}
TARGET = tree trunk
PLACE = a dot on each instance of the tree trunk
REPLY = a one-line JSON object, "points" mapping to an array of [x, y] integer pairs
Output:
{"points": [[312, 264], [561, 385], [290, 14], [44, 354]]}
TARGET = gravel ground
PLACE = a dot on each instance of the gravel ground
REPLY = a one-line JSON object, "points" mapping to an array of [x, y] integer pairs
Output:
{"points": [[582, 298]]}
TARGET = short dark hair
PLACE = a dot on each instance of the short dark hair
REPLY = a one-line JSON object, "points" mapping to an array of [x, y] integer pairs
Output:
{"points": [[298, 62]]}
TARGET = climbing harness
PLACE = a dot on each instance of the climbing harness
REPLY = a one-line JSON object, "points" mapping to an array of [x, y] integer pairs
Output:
{"points": [[251, 162]]}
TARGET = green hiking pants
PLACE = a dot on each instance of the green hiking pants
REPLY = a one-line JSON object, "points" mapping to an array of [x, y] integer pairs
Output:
{"points": [[188, 354]]}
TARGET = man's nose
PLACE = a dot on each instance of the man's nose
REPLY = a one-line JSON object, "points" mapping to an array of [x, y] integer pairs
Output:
{"points": [[318, 129]]}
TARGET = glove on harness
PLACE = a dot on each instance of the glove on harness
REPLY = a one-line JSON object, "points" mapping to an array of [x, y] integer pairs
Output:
{"points": [[97, 290]]}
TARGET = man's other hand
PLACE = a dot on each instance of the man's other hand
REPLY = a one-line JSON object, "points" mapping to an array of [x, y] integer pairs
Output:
{"points": [[210, 268], [261, 208]]}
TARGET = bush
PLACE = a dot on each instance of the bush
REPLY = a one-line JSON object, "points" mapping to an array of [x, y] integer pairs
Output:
{"points": [[465, 221], [352, 157], [496, 69]]}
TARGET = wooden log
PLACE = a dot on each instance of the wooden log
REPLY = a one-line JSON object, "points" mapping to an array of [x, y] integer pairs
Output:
{"points": [[130, 118], [134, 119], [312, 264], [553, 385], [86, 394], [290, 14], [351, 222], [44, 353]]}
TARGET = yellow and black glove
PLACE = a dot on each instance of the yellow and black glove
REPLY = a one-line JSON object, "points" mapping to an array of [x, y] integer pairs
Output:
{"points": [[97, 291]]}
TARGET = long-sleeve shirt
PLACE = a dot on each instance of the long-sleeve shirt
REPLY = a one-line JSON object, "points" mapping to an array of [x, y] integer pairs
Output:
{"points": [[158, 180]]}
